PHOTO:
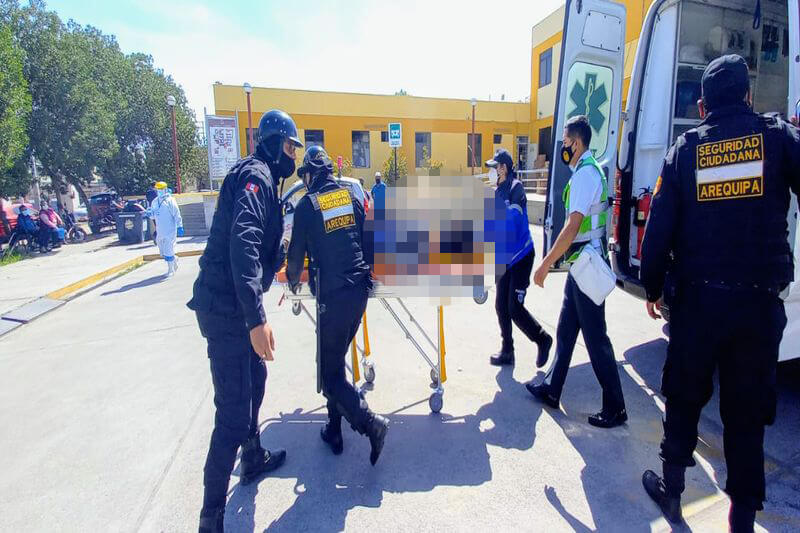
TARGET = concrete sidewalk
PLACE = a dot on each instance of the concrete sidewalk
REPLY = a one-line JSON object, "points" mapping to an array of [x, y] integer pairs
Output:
{"points": [[39, 275]]}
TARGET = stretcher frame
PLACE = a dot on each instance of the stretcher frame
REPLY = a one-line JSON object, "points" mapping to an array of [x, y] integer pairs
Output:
{"points": [[436, 360]]}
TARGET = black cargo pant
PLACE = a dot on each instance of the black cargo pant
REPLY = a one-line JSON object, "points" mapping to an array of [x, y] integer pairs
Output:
{"points": [[738, 333], [239, 377], [510, 303], [580, 313], [340, 314]]}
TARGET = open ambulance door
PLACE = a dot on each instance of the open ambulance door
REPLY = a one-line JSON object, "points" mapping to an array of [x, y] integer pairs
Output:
{"points": [[590, 83], [790, 344]]}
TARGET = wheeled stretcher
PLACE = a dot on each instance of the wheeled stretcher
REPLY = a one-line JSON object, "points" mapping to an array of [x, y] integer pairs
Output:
{"points": [[432, 352]]}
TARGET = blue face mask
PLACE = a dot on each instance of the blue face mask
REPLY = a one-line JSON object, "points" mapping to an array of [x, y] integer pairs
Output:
{"points": [[162, 192]]}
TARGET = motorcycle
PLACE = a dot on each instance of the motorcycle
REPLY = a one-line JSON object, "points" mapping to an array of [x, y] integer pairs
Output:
{"points": [[74, 233]]}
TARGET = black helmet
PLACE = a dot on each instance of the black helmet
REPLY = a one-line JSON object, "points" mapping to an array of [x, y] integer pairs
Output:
{"points": [[315, 160], [277, 122]]}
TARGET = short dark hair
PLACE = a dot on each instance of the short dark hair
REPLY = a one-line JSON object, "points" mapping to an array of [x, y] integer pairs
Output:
{"points": [[578, 127]]}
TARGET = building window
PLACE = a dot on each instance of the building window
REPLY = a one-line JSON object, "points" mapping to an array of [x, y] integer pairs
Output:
{"points": [[384, 136], [315, 138], [498, 138], [546, 67], [544, 143], [522, 152], [474, 161], [422, 147], [361, 149]]}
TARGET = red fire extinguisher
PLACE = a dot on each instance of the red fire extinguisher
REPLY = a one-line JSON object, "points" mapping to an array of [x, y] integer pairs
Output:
{"points": [[640, 218]]}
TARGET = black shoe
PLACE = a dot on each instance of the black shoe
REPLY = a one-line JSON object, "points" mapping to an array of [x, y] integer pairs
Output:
{"points": [[376, 431], [541, 393], [741, 519], [502, 358], [257, 461], [604, 420], [212, 520], [670, 505], [544, 351], [333, 438]]}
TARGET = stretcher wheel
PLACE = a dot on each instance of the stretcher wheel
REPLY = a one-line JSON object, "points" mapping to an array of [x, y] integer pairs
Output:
{"points": [[296, 309], [481, 298], [436, 402], [369, 372], [434, 376]]}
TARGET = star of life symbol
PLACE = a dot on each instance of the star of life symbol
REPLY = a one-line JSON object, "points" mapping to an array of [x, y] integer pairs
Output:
{"points": [[587, 99]]}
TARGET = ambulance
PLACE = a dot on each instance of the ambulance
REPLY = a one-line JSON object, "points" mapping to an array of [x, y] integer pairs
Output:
{"points": [[678, 39]]}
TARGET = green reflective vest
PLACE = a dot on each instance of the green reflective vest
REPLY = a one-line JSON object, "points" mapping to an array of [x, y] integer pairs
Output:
{"points": [[594, 223]]}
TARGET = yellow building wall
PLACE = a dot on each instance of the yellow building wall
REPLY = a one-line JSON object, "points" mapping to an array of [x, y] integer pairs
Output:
{"points": [[339, 114]]}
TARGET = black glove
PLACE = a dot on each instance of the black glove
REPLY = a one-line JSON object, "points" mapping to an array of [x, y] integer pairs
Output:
{"points": [[295, 287]]}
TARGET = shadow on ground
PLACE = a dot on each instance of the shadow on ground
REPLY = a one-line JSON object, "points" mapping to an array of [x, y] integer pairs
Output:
{"points": [[422, 452], [781, 446], [138, 285], [428, 451]]}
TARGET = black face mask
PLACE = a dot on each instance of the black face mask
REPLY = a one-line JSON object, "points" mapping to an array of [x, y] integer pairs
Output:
{"points": [[286, 166], [566, 154]]}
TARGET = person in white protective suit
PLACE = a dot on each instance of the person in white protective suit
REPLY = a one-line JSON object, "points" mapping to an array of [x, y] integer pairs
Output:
{"points": [[169, 225]]}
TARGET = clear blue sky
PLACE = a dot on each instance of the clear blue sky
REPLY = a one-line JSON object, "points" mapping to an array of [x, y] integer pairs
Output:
{"points": [[443, 48]]}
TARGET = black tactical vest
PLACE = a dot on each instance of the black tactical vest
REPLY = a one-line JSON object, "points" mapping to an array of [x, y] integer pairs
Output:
{"points": [[734, 186]]}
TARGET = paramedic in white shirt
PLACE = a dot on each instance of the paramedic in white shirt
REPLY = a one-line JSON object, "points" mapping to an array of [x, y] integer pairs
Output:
{"points": [[586, 202]]}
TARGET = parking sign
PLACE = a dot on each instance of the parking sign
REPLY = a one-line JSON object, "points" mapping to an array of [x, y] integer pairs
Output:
{"points": [[395, 135]]}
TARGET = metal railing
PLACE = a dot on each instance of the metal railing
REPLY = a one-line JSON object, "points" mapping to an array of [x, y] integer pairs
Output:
{"points": [[535, 181]]}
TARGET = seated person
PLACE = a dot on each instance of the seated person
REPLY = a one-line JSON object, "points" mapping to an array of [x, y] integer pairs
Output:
{"points": [[48, 226], [25, 224]]}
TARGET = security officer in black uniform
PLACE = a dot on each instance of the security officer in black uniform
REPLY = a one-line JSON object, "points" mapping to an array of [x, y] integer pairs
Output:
{"points": [[328, 224], [237, 267], [718, 231]]}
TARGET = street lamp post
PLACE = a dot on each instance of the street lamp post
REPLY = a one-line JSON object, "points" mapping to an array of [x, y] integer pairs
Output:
{"points": [[171, 104], [249, 89], [474, 103]]}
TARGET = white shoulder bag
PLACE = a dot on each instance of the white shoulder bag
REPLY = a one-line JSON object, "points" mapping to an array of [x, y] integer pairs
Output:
{"points": [[594, 277]]}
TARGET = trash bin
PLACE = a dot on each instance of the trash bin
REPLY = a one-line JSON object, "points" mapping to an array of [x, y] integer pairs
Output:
{"points": [[129, 227]]}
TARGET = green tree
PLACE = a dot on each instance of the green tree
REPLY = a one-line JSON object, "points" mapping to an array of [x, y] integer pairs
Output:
{"points": [[15, 107], [144, 130], [388, 168], [195, 170], [96, 110], [71, 126]]}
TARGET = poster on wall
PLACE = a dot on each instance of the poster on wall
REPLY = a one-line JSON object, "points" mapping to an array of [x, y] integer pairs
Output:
{"points": [[223, 147]]}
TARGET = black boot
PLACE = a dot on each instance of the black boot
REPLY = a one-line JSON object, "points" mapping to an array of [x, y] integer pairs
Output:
{"points": [[212, 520], [377, 427], [257, 461], [542, 394], [544, 350], [332, 434], [741, 519], [655, 488], [502, 358]]}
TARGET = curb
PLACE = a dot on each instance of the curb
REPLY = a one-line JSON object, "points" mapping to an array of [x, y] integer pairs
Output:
{"points": [[34, 309]]}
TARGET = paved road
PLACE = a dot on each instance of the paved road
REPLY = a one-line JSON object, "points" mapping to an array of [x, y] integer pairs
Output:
{"points": [[107, 411]]}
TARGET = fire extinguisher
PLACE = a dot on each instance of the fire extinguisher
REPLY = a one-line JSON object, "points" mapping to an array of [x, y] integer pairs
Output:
{"points": [[640, 218]]}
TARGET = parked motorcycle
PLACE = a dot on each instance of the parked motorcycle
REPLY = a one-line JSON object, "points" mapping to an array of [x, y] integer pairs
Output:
{"points": [[74, 233]]}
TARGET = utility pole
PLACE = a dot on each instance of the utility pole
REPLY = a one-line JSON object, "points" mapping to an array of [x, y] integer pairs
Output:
{"points": [[394, 182], [474, 102], [171, 103], [37, 193]]}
